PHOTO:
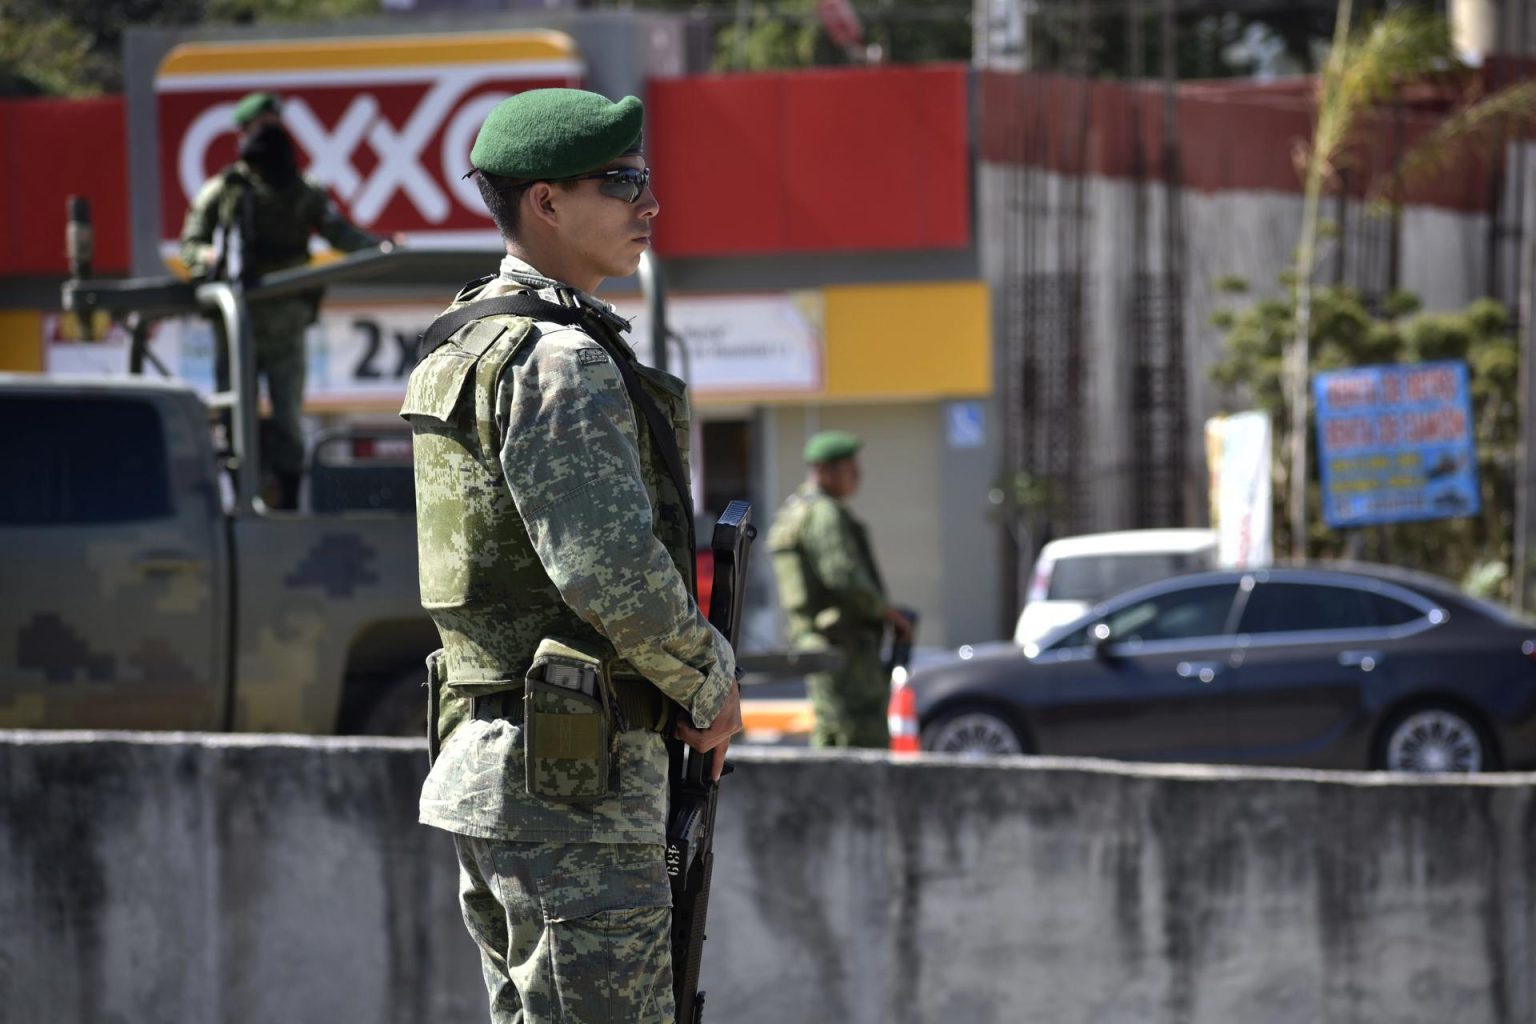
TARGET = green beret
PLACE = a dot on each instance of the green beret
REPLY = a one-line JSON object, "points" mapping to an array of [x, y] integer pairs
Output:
{"points": [[556, 133], [831, 445], [253, 105]]}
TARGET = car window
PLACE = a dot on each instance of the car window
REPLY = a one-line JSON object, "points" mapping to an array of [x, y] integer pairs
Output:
{"points": [[1094, 577], [1298, 607], [1392, 612], [1175, 615], [82, 460]]}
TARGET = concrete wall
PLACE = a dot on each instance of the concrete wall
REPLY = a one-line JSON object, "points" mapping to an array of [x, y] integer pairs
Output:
{"points": [[192, 879]]}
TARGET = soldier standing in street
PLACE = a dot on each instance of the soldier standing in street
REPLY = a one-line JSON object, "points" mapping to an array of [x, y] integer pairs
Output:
{"points": [[554, 529], [254, 217], [831, 592]]}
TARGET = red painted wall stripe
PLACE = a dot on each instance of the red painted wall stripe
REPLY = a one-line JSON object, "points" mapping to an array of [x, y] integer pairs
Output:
{"points": [[50, 150], [1231, 136], [812, 161]]}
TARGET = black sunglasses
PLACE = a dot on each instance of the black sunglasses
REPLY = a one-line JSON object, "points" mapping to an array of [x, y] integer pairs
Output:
{"points": [[626, 183]]}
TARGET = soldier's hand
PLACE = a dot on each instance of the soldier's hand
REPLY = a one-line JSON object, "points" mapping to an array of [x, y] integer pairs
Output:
{"points": [[899, 622], [718, 736]]}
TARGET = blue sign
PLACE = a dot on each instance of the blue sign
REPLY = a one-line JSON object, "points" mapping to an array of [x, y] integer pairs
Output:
{"points": [[1395, 443], [967, 425]]}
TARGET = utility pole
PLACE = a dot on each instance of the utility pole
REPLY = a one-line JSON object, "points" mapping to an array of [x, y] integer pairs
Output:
{"points": [[1525, 471], [1524, 572], [1476, 28]]}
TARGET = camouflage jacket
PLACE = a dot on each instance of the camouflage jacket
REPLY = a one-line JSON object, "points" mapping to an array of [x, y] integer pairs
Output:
{"points": [[284, 219], [829, 585], [545, 510]]}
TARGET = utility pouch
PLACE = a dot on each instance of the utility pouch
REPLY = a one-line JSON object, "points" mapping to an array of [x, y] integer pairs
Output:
{"points": [[568, 725]]}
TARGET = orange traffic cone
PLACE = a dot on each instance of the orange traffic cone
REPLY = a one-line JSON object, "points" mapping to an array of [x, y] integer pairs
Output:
{"points": [[901, 716]]}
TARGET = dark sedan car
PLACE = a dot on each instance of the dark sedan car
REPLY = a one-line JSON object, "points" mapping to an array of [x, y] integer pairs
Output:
{"points": [[1368, 667]]}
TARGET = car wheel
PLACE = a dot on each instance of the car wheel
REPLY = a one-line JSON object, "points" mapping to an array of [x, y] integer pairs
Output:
{"points": [[974, 730], [1433, 739]]}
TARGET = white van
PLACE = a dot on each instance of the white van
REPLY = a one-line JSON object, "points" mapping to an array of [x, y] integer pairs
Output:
{"points": [[1074, 573]]}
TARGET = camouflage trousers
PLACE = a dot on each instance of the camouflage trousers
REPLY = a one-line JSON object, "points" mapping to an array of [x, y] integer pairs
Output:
{"points": [[851, 703], [277, 328], [574, 933]]}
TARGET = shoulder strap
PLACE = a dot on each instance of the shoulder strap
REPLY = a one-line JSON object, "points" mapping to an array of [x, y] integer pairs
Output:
{"points": [[516, 304], [661, 429], [665, 438]]}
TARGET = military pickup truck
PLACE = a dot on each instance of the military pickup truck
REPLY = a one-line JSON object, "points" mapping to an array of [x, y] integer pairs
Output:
{"points": [[138, 596], [143, 584]]}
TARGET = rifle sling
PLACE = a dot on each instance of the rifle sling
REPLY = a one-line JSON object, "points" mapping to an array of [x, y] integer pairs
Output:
{"points": [[518, 304]]}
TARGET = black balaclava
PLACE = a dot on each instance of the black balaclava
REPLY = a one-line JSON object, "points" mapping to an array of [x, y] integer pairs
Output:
{"points": [[269, 149]]}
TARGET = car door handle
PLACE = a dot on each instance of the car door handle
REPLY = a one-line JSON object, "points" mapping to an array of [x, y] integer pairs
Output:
{"points": [[1205, 671], [167, 563], [1365, 661]]}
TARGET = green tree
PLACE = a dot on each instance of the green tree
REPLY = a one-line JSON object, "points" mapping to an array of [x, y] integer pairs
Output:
{"points": [[1342, 333], [773, 36], [74, 47], [48, 56], [754, 35]]}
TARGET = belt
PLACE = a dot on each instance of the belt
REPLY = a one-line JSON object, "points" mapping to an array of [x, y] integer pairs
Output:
{"points": [[641, 705]]}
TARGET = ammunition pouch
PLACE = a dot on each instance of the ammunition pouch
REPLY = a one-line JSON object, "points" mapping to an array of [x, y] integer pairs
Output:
{"points": [[572, 705], [574, 708]]}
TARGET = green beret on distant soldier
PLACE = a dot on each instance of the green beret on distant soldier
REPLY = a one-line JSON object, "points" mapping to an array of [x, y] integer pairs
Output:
{"points": [[831, 445], [253, 105], [547, 134]]}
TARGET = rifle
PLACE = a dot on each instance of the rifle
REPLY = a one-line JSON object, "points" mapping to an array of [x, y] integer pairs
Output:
{"points": [[900, 653], [691, 821]]}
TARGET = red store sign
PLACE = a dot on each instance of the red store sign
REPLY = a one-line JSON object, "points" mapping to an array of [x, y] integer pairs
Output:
{"points": [[384, 123]]}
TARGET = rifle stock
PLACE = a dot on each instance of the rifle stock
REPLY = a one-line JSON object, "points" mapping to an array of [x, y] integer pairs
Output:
{"points": [[691, 817]]}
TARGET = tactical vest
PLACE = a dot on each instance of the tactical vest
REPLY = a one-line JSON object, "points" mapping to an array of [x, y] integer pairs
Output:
{"points": [[481, 579], [275, 224], [809, 607]]}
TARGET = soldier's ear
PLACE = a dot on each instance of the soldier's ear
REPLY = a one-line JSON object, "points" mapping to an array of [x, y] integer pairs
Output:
{"points": [[540, 198]]}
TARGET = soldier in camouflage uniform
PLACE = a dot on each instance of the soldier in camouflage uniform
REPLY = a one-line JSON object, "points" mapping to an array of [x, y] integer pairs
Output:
{"points": [[833, 597], [272, 209], [553, 538]]}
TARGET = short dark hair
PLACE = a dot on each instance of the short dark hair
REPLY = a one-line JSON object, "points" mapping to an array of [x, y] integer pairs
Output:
{"points": [[502, 197]]}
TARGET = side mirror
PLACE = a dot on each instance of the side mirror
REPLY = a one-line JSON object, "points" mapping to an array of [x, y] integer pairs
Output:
{"points": [[1099, 639]]}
